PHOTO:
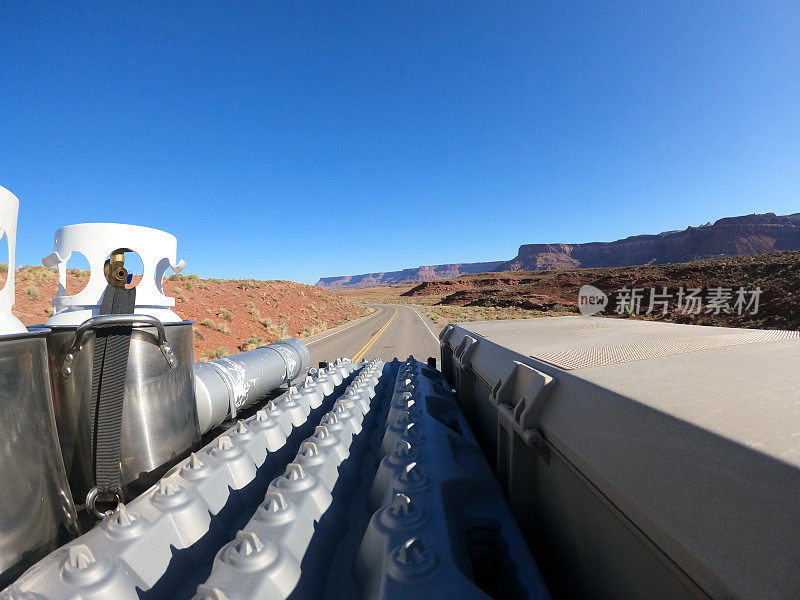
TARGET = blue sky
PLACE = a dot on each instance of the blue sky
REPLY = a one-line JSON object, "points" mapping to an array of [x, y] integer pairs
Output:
{"points": [[299, 140]]}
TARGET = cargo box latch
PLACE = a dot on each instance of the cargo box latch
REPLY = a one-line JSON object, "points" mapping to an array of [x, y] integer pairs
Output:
{"points": [[520, 397], [463, 353]]}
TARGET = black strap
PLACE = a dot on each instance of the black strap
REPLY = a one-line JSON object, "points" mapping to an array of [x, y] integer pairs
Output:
{"points": [[110, 363]]}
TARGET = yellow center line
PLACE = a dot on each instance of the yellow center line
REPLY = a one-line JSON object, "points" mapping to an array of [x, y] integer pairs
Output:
{"points": [[360, 354]]}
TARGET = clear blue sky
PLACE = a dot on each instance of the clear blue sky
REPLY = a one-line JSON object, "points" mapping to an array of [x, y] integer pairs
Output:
{"points": [[296, 140]]}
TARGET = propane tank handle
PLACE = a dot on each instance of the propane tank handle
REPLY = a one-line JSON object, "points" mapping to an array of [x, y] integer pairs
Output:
{"points": [[110, 321]]}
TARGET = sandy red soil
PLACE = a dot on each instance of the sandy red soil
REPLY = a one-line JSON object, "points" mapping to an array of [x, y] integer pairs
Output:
{"points": [[227, 312]]}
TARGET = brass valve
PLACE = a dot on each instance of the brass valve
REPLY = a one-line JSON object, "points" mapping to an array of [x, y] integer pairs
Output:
{"points": [[114, 269]]}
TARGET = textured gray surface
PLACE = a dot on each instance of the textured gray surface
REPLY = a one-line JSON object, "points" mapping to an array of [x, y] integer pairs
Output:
{"points": [[441, 527], [622, 353], [264, 560]]}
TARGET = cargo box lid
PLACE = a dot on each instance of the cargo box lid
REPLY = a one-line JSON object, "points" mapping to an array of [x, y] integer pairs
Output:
{"points": [[692, 432]]}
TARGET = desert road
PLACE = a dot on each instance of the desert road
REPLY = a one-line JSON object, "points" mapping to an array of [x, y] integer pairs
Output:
{"points": [[395, 330]]}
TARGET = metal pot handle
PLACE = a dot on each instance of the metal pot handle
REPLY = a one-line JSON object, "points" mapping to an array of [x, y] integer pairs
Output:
{"points": [[110, 321]]}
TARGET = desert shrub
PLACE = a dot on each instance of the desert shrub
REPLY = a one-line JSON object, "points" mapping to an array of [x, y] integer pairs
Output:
{"points": [[279, 331], [307, 331], [188, 285], [37, 269], [225, 314], [248, 284], [252, 343], [201, 286], [208, 323], [253, 310], [32, 292], [223, 327]]}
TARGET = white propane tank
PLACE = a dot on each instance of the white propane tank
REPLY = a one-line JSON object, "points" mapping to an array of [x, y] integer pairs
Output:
{"points": [[9, 207], [96, 241]]}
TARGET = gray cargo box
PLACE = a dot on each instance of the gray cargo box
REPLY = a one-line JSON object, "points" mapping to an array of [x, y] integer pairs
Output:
{"points": [[642, 459]]}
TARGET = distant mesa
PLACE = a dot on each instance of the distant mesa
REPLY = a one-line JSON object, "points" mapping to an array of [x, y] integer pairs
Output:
{"points": [[430, 273], [732, 236]]}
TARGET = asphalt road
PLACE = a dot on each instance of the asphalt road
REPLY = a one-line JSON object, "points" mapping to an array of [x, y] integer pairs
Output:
{"points": [[394, 331]]}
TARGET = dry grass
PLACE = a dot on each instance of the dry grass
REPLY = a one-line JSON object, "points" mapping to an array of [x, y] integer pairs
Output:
{"points": [[444, 314], [441, 315]]}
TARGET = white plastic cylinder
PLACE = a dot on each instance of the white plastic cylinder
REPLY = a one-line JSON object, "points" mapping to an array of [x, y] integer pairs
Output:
{"points": [[96, 241], [9, 208]]}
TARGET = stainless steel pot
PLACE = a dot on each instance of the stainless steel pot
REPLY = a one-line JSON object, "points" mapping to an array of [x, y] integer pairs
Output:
{"points": [[159, 419], [36, 511]]}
